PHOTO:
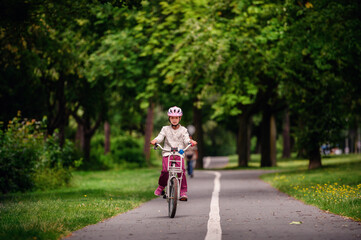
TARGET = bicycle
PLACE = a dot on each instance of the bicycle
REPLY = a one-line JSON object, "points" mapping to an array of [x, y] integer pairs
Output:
{"points": [[174, 183]]}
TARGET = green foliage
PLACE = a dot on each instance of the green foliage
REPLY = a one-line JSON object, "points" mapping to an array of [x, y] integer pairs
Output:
{"points": [[18, 155], [128, 149], [29, 162], [100, 61], [53, 169], [320, 41], [126, 152], [218, 141]]}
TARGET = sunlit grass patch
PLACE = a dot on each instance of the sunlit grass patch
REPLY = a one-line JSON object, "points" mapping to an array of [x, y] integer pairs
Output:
{"points": [[93, 197], [255, 162], [336, 187], [332, 194]]}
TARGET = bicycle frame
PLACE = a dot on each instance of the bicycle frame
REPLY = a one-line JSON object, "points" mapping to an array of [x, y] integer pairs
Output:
{"points": [[172, 167], [174, 170]]}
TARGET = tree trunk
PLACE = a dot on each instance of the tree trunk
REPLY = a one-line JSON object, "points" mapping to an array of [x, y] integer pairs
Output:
{"points": [[258, 145], [63, 115], [268, 149], [301, 152], [87, 133], [86, 147], [244, 139], [148, 132], [273, 139], [286, 153], [107, 137], [79, 137], [358, 140], [352, 134], [347, 147], [58, 114], [315, 158], [198, 135], [265, 137]]}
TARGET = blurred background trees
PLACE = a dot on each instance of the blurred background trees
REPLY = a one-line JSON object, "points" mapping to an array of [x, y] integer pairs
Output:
{"points": [[249, 75]]}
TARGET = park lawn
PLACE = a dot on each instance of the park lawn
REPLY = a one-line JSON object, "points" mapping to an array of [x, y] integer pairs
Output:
{"points": [[282, 164], [93, 197], [335, 188]]}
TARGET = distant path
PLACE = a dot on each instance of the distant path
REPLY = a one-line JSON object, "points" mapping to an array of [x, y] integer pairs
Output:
{"points": [[211, 162], [248, 208]]}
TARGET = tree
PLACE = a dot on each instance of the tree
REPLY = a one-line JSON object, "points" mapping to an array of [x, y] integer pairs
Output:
{"points": [[195, 56], [50, 44], [322, 42], [286, 152], [248, 78]]}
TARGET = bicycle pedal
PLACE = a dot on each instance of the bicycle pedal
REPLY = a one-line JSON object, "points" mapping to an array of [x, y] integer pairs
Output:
{"points": [[164, 196]]}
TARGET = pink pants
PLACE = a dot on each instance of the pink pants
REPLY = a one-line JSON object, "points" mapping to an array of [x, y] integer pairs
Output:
{"points": [[163, 179]]}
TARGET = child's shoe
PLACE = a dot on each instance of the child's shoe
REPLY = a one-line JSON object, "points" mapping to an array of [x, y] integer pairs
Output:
{"points": [[183, 197], [158, 191]]}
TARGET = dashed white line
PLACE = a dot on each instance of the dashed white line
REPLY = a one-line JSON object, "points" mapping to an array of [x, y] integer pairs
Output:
{"points": [[214, 231]]}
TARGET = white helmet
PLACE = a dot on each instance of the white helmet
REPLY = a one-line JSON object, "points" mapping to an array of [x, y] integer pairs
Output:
{"points": [[175, 112]]}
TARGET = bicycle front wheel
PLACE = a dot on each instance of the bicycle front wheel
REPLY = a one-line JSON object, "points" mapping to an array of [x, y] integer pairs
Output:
{"points": [[173, 197]]}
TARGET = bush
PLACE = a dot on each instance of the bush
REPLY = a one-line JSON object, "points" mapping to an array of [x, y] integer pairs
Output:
{"points": [[27, 161], [127, 149], [53, 169], [126, 152]]}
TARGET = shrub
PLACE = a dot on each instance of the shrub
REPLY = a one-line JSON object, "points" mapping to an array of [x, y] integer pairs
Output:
{"points": [[19, 151], [127, 149], [126, 152], [53, 168], [28, 161]]}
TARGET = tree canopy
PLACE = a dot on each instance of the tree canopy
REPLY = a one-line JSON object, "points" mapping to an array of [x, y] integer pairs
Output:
{"points": [[225, 61]]}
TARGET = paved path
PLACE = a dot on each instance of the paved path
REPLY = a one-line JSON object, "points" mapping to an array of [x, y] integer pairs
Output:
{"points": [[248, 207], [215, 162]]}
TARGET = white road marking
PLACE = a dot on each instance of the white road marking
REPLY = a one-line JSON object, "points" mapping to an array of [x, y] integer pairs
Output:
{"points": [[206, 161], [214, 231]]}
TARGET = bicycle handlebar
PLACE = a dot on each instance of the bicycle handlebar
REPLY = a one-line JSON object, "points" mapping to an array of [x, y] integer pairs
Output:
{"points": [[167, 150]]}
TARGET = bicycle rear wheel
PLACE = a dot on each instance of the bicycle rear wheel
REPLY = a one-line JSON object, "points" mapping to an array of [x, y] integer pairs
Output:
{"points": [[173, 197]]}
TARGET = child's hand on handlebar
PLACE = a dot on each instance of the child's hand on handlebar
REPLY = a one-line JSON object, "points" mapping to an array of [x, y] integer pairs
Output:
{"points": [[153, 142], [193, 143]]}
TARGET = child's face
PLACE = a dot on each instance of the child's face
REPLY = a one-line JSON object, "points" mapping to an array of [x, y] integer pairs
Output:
{"points": [[174, 120]]}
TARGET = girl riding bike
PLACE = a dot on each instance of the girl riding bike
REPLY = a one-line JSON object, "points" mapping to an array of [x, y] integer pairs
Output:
{"points": [[174, 135]]}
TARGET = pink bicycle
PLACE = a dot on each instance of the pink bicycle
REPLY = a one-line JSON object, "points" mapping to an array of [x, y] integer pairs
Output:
{"points": [[175, 170]]}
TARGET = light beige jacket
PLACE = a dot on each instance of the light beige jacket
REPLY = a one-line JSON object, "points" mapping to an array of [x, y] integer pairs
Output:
{"points": [[173, 138]]}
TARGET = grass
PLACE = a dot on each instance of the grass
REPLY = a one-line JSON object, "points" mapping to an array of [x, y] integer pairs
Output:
{"points": [[93, 197], [255, 162], [335, 188]]}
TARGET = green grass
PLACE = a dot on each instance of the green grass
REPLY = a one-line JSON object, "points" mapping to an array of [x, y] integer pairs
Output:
{"points": [[335, 188], [255, 162], [94, 196]]}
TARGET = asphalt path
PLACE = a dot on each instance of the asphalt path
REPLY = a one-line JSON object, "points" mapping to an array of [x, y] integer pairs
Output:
{"points": [[248, 209], [211, 162]]}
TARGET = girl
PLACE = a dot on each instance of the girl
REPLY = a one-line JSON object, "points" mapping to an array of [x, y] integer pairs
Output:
{"points": [[174, 135]]}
